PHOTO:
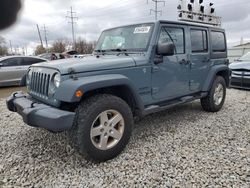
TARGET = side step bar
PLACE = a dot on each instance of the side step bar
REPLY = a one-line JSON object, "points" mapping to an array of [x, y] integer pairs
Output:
{"points": [[157, 108]]}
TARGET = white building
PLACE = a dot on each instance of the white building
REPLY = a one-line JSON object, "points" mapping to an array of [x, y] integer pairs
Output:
{"points": [[238, 51]]}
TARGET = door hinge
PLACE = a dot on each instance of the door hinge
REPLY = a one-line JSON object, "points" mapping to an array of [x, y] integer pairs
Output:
{"points": [[155, 90]]}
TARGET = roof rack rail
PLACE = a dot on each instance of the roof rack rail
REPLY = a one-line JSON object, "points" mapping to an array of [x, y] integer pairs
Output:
{"points": [[199, 18], [199, 12]]}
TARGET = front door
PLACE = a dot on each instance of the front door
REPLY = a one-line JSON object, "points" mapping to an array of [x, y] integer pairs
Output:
{"points": [[170, 79]]}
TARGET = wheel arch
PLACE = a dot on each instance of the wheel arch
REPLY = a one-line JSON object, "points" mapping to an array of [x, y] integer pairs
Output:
{"points": [[225, 75], [117, 85], [219, 70], [122, 91]]}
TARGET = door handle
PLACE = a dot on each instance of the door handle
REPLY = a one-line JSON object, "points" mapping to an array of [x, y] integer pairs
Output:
{"points": [[184, 62], [205, 60]]}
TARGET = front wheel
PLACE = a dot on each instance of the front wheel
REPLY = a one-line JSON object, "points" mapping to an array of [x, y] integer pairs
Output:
{"points": [[103, 126], [216, 96]]}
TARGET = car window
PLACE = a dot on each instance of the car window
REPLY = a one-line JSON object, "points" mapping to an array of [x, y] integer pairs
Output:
{"points": [[130, 38], [30, 61], [218, 41], [199, 40], [173, 35], [12, 62]]}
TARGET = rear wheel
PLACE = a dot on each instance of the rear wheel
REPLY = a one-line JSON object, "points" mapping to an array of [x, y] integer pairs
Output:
{"points": [[216, 96], [103, 126]]}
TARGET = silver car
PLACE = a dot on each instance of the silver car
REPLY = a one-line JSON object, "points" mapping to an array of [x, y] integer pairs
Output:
{"points": [[13, 68]]}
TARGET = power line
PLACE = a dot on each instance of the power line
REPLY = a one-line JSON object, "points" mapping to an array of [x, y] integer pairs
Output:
{"points": [[155, 10], [72, 21]]}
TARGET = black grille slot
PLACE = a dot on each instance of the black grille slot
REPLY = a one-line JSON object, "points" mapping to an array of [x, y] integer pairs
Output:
{"points": [[39, 84]]}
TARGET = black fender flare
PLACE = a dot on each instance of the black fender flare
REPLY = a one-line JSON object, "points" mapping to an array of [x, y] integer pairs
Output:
{"points": [[212, 74], [66, 91]]}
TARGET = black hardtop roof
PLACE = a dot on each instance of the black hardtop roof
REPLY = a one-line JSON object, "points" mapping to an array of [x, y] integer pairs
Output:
{"points": [[191, 24], [195, 24]]}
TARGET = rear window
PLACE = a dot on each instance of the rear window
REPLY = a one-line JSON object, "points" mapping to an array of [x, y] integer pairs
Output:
{"points": [[218, 41], [30, 61]]}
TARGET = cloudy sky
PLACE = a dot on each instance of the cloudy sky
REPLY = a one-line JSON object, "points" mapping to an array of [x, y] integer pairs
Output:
{"points": [[96, 15]]}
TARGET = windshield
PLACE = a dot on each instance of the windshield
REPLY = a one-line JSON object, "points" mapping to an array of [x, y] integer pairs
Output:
{"points": [[245, 57], [129, 38]]}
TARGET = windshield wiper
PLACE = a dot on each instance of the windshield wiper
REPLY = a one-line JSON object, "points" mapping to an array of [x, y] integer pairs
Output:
{"points": [[124, 51], [121, 51], [117, 50], [100, 51]]}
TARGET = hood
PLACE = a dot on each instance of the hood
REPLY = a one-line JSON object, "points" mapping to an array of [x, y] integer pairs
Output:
{"points": [[90, 63], [240, 65]]}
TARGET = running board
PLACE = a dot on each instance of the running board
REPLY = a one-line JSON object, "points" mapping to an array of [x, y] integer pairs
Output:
{"points": [[156, 108]]}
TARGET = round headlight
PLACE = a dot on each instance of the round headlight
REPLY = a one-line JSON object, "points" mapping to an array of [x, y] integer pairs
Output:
{"points": [[57, 80]]}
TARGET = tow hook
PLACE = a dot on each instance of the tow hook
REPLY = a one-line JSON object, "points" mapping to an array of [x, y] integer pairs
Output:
{"points": [[32, 104]]}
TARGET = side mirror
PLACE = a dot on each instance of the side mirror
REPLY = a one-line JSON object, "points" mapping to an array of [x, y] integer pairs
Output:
{"points": [[165, 49]]}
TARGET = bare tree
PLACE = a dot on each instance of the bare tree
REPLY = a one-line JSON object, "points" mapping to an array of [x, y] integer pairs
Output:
{"points": [[60, 45], [3, 48], [40, 50], [84, 47]]}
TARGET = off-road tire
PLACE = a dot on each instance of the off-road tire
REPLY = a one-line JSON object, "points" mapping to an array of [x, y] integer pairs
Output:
{"points": [[86, 113], [208, 103]]}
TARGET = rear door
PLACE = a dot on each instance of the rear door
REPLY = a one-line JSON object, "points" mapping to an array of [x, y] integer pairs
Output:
{"points": [[199, 57], [11, 70]]}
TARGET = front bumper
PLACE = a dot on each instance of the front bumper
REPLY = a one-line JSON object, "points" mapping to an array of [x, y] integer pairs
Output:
{"points": [[40, 115], [240, 82]]}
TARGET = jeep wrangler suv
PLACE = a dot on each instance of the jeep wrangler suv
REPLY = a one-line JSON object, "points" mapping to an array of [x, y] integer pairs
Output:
{"points": [[134, 71]]}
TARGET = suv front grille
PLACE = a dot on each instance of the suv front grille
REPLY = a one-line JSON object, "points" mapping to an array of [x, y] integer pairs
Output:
{"points": [[39, 83]]}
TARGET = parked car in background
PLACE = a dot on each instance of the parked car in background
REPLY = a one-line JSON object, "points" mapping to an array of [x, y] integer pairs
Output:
{"points": [[82, 55], [70, 54], [13, 68], [240, 73], [50, 56]]}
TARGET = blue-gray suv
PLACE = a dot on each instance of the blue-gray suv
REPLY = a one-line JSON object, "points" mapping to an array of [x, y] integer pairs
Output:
{"points": [[134, 71]]}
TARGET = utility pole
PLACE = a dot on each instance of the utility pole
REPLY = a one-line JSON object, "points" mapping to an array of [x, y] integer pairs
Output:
{"points": [[155, 10], [26, 51], [39, 34], [23, 50], [17, 50], [11, 48], [72, 21], [45, 35]]}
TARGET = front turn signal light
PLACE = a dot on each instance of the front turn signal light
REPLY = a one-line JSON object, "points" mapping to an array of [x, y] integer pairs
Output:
{"points": [[79, 94]]}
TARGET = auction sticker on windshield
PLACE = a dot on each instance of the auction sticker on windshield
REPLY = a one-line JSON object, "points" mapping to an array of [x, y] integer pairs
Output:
{"points": [[142, 29]]}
